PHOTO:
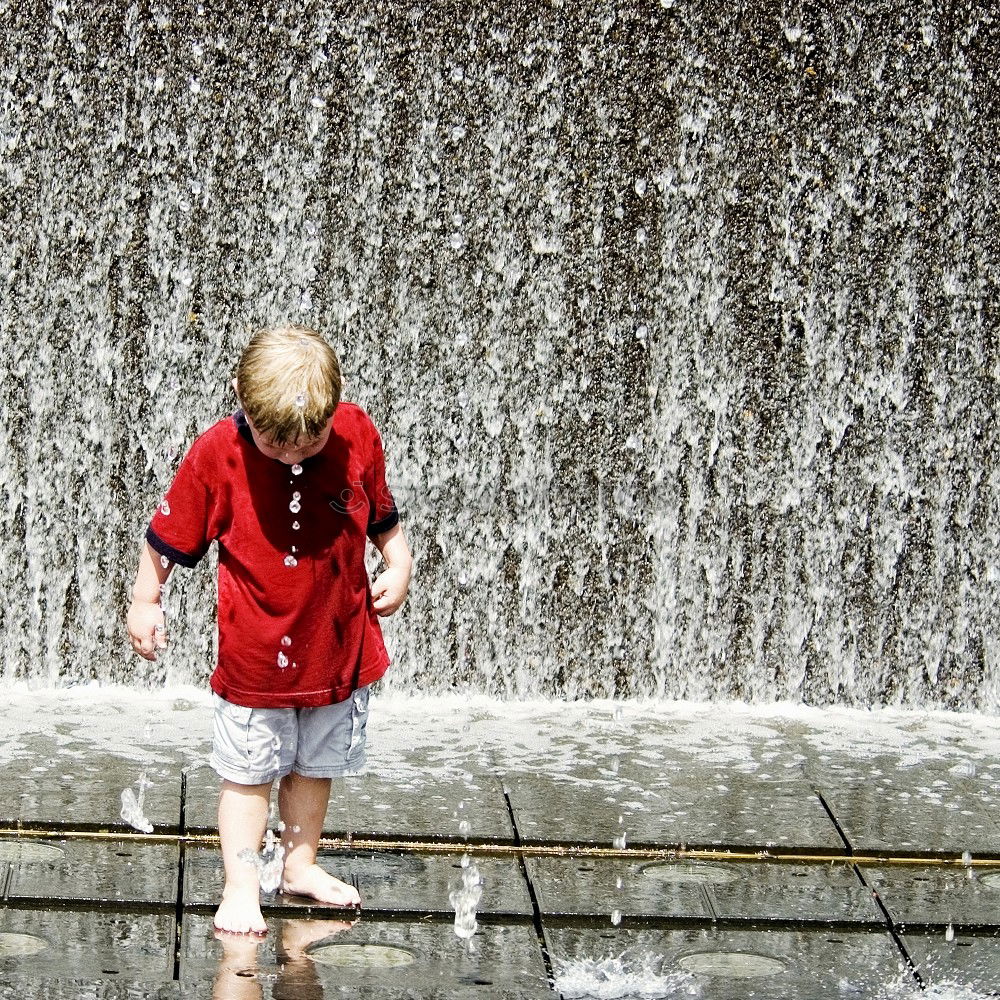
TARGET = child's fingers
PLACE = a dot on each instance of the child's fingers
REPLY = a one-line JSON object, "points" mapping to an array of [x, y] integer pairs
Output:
{"points": [[387, 604], [144, 647]]}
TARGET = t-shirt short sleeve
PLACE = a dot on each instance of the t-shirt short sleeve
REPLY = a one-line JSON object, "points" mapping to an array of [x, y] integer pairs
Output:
{"points": [[179, 528], [382, 512]]}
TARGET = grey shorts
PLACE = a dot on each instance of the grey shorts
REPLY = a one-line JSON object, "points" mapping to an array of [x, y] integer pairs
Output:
{"points": [[252, 746]]}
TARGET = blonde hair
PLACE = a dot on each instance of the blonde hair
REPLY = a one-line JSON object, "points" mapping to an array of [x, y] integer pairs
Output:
{"points": [[288, 381]]}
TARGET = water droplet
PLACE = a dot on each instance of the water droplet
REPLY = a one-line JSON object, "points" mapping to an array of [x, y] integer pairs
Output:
{"points": [[296, 496], [291, 561], [195, 86], [966, 858], [464, 827], [164, 507], [300, 400], [282, 660], [618, 882], [640, 186], [295, 507], [619, 842], [949, 933], [793, 33], [286, 641], [295, 526], [296, 470], [616, 917], [318, 102], [164, 562]]}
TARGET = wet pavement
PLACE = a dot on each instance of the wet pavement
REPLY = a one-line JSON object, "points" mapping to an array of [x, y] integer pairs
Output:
{"points": [[637, 851]]}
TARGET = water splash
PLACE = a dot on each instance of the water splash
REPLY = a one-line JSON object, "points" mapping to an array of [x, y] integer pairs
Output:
{"points": [[133, 806], [465, 900], [269, 863], [622, 976]]}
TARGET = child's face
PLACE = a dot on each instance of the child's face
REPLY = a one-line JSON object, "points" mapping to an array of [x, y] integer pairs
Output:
{"points": [[291, 453]]}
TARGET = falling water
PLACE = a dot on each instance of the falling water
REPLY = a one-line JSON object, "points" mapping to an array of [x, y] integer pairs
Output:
{"points": [[678, 320], [133, 806]]}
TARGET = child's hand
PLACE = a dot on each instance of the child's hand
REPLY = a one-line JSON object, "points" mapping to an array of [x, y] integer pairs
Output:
{"points": [[146, 628], [389, 590]]}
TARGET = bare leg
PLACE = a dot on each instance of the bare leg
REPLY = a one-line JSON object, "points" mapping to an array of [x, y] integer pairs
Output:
{"points": [[243, 812], [302, 803]]}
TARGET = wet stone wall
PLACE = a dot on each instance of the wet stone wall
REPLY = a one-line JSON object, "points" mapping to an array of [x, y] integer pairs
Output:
{"points": [[678, 320]]}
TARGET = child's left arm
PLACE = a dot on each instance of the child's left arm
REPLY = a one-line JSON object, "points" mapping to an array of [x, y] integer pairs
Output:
{"points": [[390, 586]]}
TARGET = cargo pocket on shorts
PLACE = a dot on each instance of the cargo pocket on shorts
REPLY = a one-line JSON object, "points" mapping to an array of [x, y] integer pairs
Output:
{"points": [[232, 732], [359, 720]]}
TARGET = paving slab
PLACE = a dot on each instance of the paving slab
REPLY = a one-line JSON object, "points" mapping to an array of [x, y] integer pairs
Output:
{"points": [[719, 963], [85, 943], [937, 895], [85, 793], [324, 958], [971, 961], [371, 806], [108, 871], [91, 989], [388, 882], [682, 809], [893, 815], [692, 890], [790, 892], [472, 807], [820, 893], [578, 886]]}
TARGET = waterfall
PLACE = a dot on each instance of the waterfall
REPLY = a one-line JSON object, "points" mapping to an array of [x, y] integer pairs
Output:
{"points": [[677, 318]]}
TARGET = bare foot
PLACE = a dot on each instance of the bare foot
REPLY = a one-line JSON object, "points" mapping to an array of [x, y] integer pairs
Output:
{"points": [[312, 881], [239, 911]]}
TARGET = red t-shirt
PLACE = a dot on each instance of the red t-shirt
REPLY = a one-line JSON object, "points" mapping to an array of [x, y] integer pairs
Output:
{"points": [[296, 622]]}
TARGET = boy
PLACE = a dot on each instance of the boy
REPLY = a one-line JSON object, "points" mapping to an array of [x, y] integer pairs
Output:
{"points": [[289, 487]]}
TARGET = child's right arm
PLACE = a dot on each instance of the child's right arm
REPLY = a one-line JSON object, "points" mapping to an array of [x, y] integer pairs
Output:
{"points": [[145, 622]]}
